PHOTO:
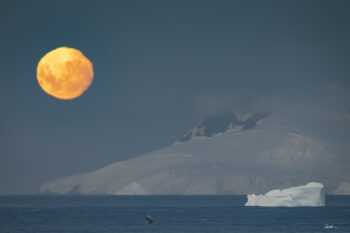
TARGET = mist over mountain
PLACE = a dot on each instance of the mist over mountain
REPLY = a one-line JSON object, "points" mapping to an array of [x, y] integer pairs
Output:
{"points": [[234, 152]]}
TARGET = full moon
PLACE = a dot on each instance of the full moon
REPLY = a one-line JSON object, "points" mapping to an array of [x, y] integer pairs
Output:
{"points": [[65, 73]]}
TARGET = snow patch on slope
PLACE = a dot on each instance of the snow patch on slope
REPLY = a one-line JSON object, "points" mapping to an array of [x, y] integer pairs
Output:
{"points": [[343, 189], [133, 188]]}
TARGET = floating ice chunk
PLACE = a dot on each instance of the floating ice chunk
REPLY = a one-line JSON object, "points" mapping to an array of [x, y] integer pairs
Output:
{"points": [[326, 226], [311, 194]]}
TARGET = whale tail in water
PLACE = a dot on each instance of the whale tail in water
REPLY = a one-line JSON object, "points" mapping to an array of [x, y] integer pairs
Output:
{"points": [[149, 220]]}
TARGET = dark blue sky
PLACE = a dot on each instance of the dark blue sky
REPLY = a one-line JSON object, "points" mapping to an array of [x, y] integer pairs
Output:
{"points": [[160, 67]]}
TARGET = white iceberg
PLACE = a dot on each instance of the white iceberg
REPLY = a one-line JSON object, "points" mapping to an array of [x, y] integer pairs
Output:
{"points": [[311, 194]]}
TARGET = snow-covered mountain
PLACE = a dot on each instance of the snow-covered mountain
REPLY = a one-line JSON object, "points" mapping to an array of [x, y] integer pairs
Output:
{"points": [[232, 153]]}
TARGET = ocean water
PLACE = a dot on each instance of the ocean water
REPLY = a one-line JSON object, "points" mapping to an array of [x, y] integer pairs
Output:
{"points": [[187, 214]]}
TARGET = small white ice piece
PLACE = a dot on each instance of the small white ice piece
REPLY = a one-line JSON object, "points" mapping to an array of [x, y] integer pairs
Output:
{"points": [[329, 226]]}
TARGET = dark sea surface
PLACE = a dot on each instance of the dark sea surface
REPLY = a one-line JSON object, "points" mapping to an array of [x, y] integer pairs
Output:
{"points": [[189, 214]]}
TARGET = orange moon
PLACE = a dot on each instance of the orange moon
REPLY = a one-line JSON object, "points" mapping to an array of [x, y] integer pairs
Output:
{"points": [[65, 73]]}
